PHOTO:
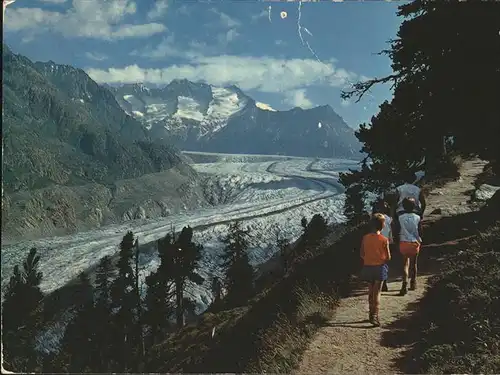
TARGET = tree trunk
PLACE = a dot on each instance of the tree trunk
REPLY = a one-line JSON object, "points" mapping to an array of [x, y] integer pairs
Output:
{"points": [[138, 297], [179, 303]]}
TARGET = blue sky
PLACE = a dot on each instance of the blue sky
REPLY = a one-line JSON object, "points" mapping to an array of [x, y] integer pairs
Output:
{"points": [[245, 43]]}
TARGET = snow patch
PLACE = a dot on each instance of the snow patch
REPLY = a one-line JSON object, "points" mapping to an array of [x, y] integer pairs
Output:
{"points": [[225, 103], [188, 108], [485, 192], [135, 102], [264, 106]]}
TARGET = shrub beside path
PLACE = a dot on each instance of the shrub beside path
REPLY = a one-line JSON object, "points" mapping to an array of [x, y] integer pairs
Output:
{"points": [[348, 343]]}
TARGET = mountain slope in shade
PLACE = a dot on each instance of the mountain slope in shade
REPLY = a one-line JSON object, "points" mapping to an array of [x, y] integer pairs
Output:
{"points": [[67, 145], [201, 117]]}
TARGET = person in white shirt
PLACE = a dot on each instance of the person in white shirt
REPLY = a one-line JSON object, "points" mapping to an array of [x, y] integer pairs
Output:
{"points": [[409, 234], [382, 207], [410, 190]]}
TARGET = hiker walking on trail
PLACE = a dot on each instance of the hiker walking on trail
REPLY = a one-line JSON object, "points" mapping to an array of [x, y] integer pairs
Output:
{"points": [[410, 190], [382, 207], [409, 232], [375, 254]]}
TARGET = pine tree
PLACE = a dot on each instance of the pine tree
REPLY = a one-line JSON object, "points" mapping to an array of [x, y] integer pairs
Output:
{"points": [[180, 259], [315, 231], [123, 297], [160, 292], [185, 258], [354, 204], [78, 340], [139, 310], [303, 223], [22, 315], [283, 245], [102, 317], [238, 271], [435, 45], [216, 288]]}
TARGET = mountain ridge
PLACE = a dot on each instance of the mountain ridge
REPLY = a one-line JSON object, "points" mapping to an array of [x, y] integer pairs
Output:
{"points": [[183, 112]]}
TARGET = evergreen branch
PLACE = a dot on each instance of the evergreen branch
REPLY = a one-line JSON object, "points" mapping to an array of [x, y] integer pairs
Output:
{"points": [[361, 88]]}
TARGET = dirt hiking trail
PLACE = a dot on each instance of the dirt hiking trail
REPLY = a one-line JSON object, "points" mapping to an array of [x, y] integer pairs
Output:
{"points": [[348, 343]]}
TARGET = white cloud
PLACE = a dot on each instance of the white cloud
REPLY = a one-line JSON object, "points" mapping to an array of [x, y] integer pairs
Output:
{"points": [[138, 31], [86, 18], [159, 10], [95, 56], [227, 37], [167, 49], [263, 14], [53, 1], [226, 20], [266, 74], [298, 98]]}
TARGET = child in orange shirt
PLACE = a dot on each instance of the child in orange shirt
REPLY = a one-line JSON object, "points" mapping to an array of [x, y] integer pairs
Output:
{"points": [[382, 207], [375, 254]]}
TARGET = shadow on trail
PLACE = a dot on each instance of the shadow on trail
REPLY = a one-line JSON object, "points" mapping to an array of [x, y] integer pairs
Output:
{"points": [[441, 238], [404, 332], [354, 324]]}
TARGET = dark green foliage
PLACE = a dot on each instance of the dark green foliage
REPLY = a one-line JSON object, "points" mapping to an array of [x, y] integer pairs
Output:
{"points": [[434, 112], [315, 231], [216, 289], [159, 306], [238, 272], [80, 336], [283, 245], [303, 223], [160, 292], [123, 296], [461, 324], [270, 332], [354, 206], [102, 316], [22, 315], [179, 260], [185, 260]]}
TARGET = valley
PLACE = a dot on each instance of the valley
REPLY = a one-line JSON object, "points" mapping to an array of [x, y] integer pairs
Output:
{"points": [[270, 194], [86, 163], [264, 194]]}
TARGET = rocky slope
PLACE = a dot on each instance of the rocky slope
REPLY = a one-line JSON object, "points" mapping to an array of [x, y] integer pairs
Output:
{"points": [[201, 117], [73, 159]]}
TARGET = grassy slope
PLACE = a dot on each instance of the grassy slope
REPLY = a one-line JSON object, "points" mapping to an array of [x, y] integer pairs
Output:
{"points": [[457, 325], [270, 333]]}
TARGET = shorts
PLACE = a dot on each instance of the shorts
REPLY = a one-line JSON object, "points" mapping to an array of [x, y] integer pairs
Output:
{"points": [[375, 273], [409, 249]]}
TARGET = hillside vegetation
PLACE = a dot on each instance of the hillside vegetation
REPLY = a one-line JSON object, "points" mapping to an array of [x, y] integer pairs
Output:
{"points": [[273, 328], [457, 320]]}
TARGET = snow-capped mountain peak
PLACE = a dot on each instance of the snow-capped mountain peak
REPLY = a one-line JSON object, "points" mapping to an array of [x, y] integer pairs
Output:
{"points": [[182, 101], [202, 117]]}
